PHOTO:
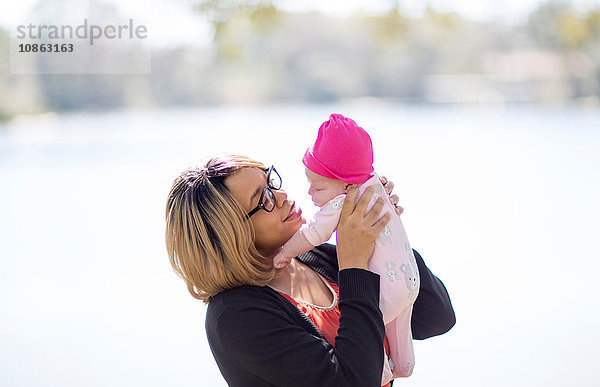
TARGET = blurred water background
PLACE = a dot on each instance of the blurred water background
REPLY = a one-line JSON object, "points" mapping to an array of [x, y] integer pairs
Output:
{"points": [[486, 115], [502, 203]]}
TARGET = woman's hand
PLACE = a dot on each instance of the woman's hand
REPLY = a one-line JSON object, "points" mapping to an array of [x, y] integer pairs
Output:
{"points": [[357, 231], [394, 199]]}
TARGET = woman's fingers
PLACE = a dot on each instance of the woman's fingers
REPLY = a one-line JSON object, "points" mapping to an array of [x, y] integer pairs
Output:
{"points": [[399, 210], [364, 200], [373, 214], [389, 187], [358, 229], [355, 232], [394, 199], [381, 223], [348, 207]]}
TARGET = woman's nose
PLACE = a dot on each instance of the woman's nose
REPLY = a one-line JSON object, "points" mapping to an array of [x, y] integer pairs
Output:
{"points": [[310, 191], [280, 197]]}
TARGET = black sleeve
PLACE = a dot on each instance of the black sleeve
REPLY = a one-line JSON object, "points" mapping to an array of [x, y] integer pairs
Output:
{"points": [[432, 311], [259, 345]]}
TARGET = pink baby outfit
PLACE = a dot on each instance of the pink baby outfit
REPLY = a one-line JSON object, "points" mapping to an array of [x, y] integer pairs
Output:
{"points": [[343, 151]]}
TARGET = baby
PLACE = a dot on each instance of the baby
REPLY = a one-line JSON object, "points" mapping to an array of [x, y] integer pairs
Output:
{"points": [[342, 156]]}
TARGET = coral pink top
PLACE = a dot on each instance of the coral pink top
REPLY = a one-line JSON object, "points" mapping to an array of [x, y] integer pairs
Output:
{"points": [[327, 320]]}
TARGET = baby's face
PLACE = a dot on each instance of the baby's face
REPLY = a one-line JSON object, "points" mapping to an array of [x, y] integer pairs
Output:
{"points": [[323, 189]]}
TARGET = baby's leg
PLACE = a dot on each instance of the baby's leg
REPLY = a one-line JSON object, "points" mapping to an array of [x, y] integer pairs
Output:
{"points": [[398, 333]]}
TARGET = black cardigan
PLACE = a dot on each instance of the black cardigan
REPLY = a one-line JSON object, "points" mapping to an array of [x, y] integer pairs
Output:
{"points": [[259, 338]]}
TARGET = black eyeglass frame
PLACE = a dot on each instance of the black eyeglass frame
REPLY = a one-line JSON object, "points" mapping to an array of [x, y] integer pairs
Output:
{"points": [[269, 188]]}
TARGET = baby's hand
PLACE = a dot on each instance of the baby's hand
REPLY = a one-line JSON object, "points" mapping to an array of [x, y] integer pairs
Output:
{"points": [[280, 261], [394, 199]]}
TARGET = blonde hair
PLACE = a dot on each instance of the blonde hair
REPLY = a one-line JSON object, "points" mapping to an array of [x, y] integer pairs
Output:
{"points": [[209, 241]]}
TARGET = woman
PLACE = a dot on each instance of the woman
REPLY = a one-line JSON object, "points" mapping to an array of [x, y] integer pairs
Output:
{"points": [[225, 223]]}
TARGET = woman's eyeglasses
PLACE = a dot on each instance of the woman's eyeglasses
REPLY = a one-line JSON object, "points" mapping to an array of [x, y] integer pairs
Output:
{"points": [[267, 199]]}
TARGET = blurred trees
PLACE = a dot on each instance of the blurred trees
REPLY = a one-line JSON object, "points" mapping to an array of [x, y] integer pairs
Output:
{"points": [[575, 35], [559, 26], [261, 54], [18, 94]]}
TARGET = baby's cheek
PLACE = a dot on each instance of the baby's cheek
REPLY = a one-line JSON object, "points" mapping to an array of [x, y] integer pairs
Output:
{"points": [[317, 200]]}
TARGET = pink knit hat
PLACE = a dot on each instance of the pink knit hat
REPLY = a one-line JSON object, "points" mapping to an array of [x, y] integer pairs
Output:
{"points": [[343, 151]]}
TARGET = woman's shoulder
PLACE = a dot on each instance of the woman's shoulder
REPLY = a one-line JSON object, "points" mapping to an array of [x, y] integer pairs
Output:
{"points": [[246, 300], [241, 313], [240, 297]]}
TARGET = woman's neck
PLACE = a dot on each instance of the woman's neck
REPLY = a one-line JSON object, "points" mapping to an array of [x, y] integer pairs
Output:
{"points": [[302, 283], [283, 280]]}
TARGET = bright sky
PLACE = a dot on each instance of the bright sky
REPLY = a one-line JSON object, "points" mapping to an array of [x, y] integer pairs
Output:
{"points": [[171, 21]]}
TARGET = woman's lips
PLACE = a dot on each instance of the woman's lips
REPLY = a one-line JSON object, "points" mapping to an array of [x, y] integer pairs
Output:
{"points": [[294, 213]]}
